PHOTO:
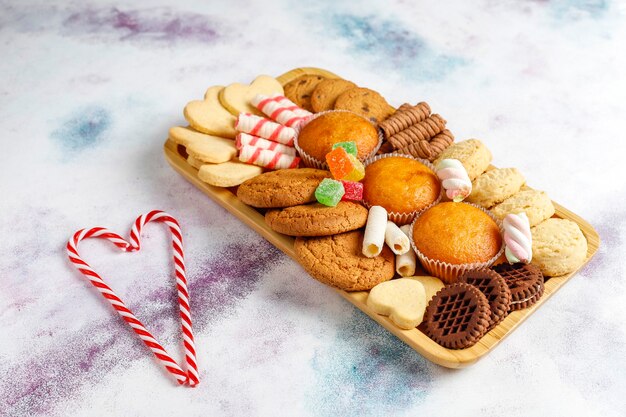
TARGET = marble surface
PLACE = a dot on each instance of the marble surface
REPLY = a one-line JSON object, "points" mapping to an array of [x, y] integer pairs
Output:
{"points": [[88, 91]]}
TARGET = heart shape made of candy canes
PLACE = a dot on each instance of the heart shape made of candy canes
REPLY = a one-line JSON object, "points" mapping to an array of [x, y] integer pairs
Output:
{"points": [[189, 377]]}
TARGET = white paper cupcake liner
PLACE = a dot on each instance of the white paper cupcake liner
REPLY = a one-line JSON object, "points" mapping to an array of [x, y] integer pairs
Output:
{"points": [[448, 272], [404, 218], [311, 162]]}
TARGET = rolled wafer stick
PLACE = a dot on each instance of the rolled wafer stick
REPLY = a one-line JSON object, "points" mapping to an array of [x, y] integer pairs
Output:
{"points": [[419, 149], [243, 139], [425, 130], [405, 116], [429, 150], [265, 128], [407, 262], [395, 238], [374, 237], [267, 158], [280, 109], [440, 143]]}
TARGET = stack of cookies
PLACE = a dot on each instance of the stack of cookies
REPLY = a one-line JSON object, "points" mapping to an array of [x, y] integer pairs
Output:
{"points": [[319, 94], [374, 196]]}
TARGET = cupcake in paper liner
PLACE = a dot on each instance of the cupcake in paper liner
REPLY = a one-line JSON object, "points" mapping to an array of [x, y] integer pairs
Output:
{"points": [[317, 134], [404, 185], [452, 238]]}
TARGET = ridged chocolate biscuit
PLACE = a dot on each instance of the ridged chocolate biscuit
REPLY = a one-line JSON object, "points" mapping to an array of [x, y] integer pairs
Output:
{"points": [[524, 281], [282, 188], [317, 219], [495, 289], [457, 316]]}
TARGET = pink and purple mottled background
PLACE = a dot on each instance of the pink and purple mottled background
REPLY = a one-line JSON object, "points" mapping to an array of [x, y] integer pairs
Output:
{"points": [[87, 93]]}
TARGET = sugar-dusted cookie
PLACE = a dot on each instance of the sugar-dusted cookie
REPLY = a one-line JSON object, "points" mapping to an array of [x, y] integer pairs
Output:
{"points": [[365, 102], [337, 261], [317, 219], [536, 204], [403, 300], [495, 186], [228, 174], [236, 97], [301, 89], [472, 153], [326, 93], [559, 246], [209, 116], [457, 316], [431, 284], [282, 188]]}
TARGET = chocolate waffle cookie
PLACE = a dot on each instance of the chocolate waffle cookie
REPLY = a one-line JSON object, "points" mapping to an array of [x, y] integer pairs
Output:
{"points": [[524, 281], [457, 316], [495, 289]]}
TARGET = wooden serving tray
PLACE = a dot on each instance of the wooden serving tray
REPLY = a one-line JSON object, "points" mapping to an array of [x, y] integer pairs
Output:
{"points": [[176, 156]]}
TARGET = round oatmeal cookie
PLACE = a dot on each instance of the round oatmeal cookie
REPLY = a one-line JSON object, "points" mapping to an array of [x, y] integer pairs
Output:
{"points": [[337, 261], [317, 219], [559, 246], [326, 93], [301, 89], [365, 102], [282, 188]]}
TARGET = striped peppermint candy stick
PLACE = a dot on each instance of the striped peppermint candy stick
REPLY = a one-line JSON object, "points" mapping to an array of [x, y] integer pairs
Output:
{"points": [[280, 109], [267, 158], [265, 128], [283, 101], [191, 376], [243, 139]]}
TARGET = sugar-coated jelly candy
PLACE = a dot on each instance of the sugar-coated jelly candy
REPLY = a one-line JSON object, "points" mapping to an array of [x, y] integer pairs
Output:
{"points": [[344, 166], [329, 192], [353, 191], [350, 147]]}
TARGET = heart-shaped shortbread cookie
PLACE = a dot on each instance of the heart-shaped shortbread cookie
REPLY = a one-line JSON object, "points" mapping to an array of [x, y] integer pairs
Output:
{"points": [[432, 285], [204, 148], [403, 300], [236, 97], [209, 116], [228, 174]]}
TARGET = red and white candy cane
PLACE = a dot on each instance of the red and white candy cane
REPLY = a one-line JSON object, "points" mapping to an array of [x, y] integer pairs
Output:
{"points": [[281, 109], [265, 128], [267, 158], [244, 139], [191, 376]]}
